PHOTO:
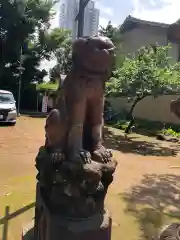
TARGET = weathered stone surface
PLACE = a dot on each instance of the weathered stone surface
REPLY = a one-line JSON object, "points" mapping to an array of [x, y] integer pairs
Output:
{"points": [[76, 190], [171, 232], [96, 227], [74, 168]]}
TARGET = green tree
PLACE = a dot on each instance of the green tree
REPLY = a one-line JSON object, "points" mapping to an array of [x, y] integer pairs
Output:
{"points": [[56, 38], [64, 56], [111, 32], [26, 40], [24, 29], [149, 72], [54, 74]]}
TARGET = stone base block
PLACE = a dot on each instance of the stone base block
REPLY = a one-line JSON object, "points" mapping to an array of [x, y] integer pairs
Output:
{"points": [[96, 228]]}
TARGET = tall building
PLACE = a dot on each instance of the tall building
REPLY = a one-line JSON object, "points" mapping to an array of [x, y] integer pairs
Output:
{"points": [[95, 21], [91, 19], [68, 12]]}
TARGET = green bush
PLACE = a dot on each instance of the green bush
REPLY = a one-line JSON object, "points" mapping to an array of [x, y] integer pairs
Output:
{"points": [[146, 127], [121, 124], [170, 132], [46, 87]]}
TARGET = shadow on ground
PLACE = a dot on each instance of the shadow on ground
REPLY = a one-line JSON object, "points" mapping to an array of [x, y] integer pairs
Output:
{"points": [[6, 124], [35, 114], [155, 202], [137, 146]]}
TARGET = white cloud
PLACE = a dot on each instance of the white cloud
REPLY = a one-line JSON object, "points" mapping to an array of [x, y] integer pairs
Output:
{"points": [[105, 10], [103, 21], [55, 21], [47, 65], [108, 11], [169, 13]]}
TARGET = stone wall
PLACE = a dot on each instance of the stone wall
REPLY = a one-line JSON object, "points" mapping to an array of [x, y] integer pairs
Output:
{"points": [[157, 109]]}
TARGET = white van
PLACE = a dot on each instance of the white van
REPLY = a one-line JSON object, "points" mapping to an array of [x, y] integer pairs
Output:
{"points": [[8, 112]]}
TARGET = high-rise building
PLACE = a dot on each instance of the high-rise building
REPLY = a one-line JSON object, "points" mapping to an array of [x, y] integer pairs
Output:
{"points": [[68, 12], [91, 19], [95, 21]]}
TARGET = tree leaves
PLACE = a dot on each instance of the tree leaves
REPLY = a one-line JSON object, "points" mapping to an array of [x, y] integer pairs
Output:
{"points": [[24, 24], [64, 56], [148, 72]]}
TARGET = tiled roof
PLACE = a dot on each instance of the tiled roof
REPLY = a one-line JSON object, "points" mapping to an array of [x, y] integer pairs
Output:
{"points": [[131, 20]]}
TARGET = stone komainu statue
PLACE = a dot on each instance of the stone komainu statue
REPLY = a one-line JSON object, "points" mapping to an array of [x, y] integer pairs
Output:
{"points": [[74, 168], [81, 98]]}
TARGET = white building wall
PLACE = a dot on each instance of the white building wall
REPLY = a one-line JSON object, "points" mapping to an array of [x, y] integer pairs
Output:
{"points": [[145, 36]]}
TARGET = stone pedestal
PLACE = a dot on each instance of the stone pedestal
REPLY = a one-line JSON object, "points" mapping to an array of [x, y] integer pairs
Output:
{"points": [[49, 226], [97, 227]]}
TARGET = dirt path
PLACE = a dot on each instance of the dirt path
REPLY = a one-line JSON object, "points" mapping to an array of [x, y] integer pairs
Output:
{"points": [[144, 164], [18, 147]]}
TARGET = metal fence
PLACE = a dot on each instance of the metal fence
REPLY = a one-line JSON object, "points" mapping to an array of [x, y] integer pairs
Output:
{"points": [[8, 216]]}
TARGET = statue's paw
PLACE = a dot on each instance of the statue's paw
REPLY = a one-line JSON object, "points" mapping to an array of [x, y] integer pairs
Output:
{"points": [[81, 157], [109, 167], [102, 155], [57, 156], [85, 156]]}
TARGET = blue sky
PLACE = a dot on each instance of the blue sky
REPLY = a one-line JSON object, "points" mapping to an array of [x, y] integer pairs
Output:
{"points": [[167, 11]]}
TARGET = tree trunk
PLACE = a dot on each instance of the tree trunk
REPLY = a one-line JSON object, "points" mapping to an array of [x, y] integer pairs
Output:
{"points": [[130, 114]]}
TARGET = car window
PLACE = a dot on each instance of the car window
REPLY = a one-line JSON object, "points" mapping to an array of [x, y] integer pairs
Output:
{"points": [[6, 98]]}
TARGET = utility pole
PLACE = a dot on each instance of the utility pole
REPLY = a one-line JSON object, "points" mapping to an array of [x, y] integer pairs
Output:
{"points": [[22, 8], [21, 70], [80, 17]]}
